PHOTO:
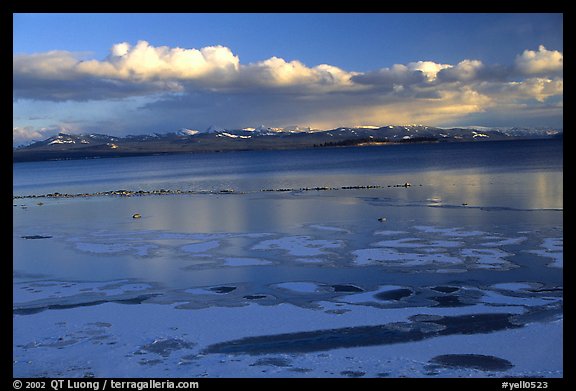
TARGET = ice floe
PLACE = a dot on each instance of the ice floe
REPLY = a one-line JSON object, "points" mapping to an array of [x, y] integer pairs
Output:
{"points": [[392, 257], [245, 262], [417, 243], [505, 242], [452, 231], [201, 247], [113, 248], [329, 228], [300, 246], [299, 286], [491, 258], [552, 248]]}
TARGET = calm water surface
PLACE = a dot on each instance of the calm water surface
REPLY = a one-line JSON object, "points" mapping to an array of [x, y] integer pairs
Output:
{"points": [[523, 173], [504, 186]]}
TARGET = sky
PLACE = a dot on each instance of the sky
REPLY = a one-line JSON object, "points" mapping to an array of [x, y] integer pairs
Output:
{"points": [[121, 74]]}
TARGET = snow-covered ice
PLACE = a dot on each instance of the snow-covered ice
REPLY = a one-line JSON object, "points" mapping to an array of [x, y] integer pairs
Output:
{"points": [[327, 302]]}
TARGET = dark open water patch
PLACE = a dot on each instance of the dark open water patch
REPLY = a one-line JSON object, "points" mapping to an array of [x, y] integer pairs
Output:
{"points": [[448, 301], [353, 373], [34, 310], [223, 289], [255, 297], [347, 337], [445, 289], [472, 361], [395, 294], [346, 288], [273, 362]]}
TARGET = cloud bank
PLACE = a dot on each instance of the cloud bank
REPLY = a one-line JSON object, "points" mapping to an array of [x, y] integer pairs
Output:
{"points": [[196, 87]]}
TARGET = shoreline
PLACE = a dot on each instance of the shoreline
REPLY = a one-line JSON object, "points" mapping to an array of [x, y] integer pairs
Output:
{"points": [[24, 156]]}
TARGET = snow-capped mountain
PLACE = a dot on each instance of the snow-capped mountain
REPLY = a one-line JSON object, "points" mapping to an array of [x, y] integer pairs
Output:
{"points": [[187, 132], [261, 137], [214, 129], [76, 139]]}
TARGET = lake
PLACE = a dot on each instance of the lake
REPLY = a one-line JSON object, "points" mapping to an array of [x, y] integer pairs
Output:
{"points": [[268, 251]]}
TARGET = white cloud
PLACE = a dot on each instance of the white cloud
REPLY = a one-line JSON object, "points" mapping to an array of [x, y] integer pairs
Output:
{"points": [[429, 68], [466, 70], [543, 61], [541, 88], [53, 65], [145, 62], [120, 49], [276, 72], [26, 134], [192, 87]]}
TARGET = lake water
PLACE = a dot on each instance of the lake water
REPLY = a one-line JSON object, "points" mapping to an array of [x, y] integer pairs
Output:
{"points": [[480, 230]]}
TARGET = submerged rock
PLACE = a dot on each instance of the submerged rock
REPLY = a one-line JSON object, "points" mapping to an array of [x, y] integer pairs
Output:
{"points": [[36, 237]]}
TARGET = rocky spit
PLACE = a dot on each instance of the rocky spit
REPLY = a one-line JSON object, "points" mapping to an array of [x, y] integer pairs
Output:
{"points": [[138, 193]]}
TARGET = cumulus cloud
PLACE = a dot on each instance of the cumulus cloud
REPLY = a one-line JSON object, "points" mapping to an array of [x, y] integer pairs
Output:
{"points": [[429, 68], [393, 77], [465, 70], [539, 88], [182, 87], [276, 73], [144, 69], [543, 61]]}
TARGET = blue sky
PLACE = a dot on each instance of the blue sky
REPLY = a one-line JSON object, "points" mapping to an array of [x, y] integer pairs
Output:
{"points": [[141, 73]]}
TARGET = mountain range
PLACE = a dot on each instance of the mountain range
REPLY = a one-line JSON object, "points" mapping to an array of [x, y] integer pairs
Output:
{"points": [[215, 139]]}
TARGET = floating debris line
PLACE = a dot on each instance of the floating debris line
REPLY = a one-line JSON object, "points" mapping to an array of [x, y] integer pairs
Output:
{"points": [[139, 193]]}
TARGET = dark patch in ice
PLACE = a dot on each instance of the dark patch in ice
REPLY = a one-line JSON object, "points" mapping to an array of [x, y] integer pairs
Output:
{"points": [[102, 324], [346, 288], [337, 312], [445, 289], [383, 374], [165, 346], [347, 337], [472, 361], [425, 318], [223, 289], [190, 357], [273, 362], [36, 237], [448, 301], [34, 310], [255, 297], [300, 370], [353, 373], [547, 313], [150, 362], [546, 290], [396, 294]]}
